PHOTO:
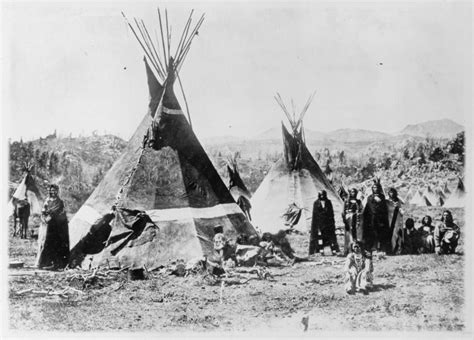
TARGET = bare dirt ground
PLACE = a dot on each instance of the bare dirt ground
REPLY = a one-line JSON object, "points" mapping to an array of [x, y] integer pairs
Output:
{"points": [[411, 293]]}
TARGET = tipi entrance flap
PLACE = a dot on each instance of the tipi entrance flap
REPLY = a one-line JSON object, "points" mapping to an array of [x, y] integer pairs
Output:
{"points": [[168, 175]]}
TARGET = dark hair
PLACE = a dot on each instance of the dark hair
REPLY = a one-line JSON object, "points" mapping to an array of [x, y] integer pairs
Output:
{"points": [[393, 191], [428, 220], [357, 243], [218, 229], [409, 223], [53, 186], [267, 237], [446, 212]]}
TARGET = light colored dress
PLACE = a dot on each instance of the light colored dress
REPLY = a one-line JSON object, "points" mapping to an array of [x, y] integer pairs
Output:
{"points": [[359, 272]]}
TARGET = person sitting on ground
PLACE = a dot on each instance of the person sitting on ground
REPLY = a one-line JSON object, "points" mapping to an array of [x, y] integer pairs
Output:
{"points": [[410, 239], [278, 245], [446, 234], [426, 231], [358, 269]]}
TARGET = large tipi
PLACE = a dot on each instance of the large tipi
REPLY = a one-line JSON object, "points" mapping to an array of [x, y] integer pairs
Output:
{"points": [[164, 172], [285, 197]]}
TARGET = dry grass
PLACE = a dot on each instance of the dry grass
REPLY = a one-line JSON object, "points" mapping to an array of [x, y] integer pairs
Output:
{"points": [[411, 293]]}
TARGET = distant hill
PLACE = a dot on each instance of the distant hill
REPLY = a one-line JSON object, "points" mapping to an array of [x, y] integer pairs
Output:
{"points": [[76, 164], [357, 135], [443, 128]]}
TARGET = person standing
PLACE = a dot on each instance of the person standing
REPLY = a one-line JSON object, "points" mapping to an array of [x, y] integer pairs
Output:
{"points": [[376, 228], [53, 238], [446, 234], [351, 216], [323, 223], [395, 215]]}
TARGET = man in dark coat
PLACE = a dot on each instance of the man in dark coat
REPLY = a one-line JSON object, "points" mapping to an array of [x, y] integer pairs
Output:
{"points": [[323, 222], [376, 228]]}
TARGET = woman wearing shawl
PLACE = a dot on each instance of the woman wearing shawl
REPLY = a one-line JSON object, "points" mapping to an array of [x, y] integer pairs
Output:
{"points": [[395, 216], [351, 216], [376, 228], [426, 232], [53, 238]]}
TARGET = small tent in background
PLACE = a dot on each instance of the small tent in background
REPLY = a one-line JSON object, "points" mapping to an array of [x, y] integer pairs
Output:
{"points": [[420, 200], [27, 190], [440, 196], [169, 198], [409, 195], [285, 197], [446, 190], [430, 195], [457, 198], [237, 188]]}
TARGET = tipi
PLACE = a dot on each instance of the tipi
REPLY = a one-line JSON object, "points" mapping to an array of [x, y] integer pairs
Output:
{"points": [[457, 198], [27, 190], [430, 195], [169, 196], [285, 197], [420, 200]]}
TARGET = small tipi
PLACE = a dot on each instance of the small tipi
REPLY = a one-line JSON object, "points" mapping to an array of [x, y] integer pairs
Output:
{"points": [[457, 198], [27, 190], [285, 197], [169, 197], [430, 195], [420, 200]]}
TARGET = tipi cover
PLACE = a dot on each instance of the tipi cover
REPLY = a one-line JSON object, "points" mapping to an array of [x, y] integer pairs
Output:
{"points": [[457, 198], [27, 190], [431, 196], [165, 172], [286, 195], [420, 200]]}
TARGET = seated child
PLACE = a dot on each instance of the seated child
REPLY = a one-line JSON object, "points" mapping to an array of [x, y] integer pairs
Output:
{"points": [[358, 269]]}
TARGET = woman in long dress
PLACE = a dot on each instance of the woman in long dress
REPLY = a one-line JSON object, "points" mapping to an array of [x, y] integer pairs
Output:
{"points": [[53, 238], [426, 232], [351, 216], [395, 215]]}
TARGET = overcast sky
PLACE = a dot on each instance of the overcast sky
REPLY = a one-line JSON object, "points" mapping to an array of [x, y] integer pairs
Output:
{"points": [[379, 66]]}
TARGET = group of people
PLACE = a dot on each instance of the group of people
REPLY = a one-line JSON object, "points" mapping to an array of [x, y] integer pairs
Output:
{"points": [[377, 225], [440, 239]]}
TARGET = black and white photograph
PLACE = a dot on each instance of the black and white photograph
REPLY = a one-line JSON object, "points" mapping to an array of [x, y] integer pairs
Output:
{"points": [[237, 169]]}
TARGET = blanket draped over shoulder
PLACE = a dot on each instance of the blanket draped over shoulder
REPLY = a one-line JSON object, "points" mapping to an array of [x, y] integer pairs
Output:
{"points": [[53, 237]]}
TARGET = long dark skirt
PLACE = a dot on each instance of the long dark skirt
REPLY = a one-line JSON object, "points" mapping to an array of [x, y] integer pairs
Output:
{"points": [[350, 234], [53, 241]]}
